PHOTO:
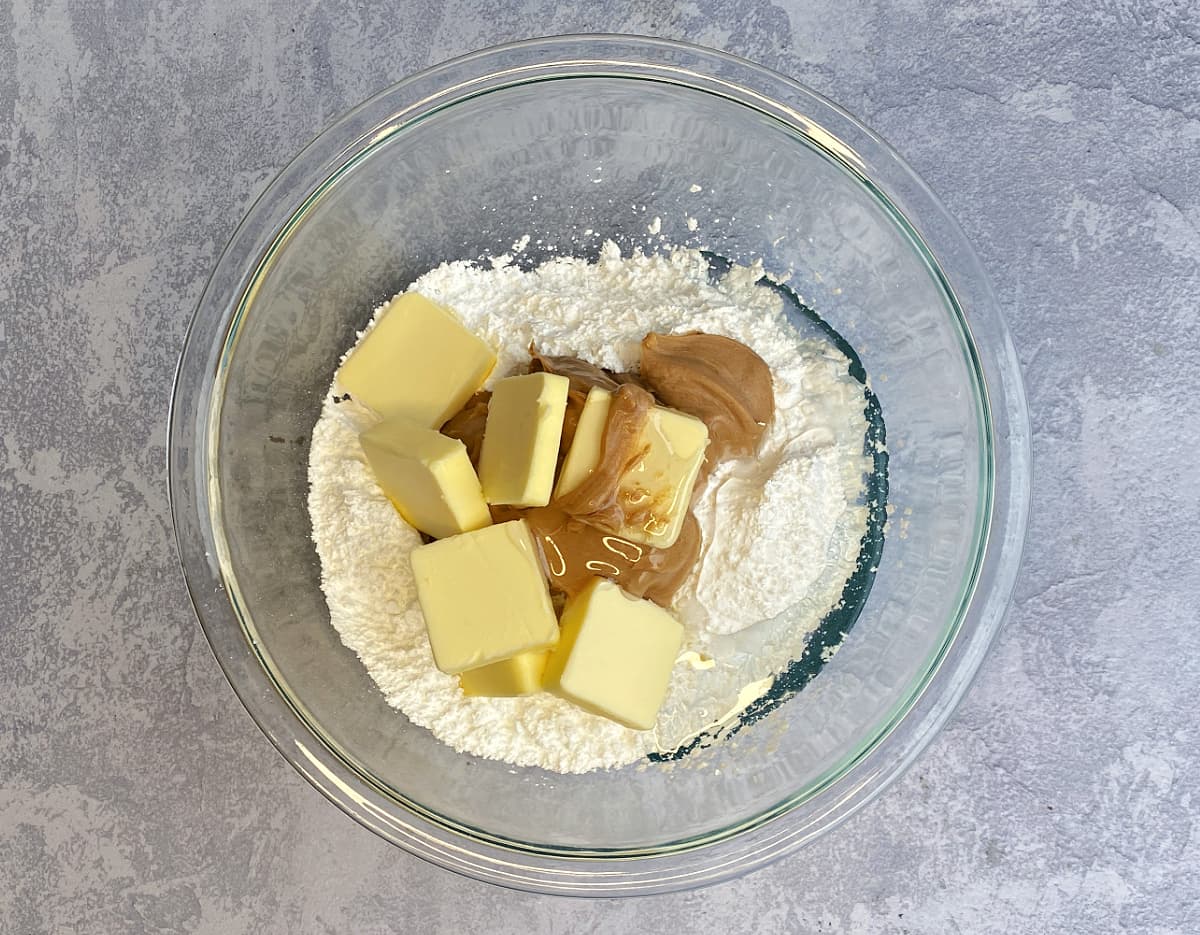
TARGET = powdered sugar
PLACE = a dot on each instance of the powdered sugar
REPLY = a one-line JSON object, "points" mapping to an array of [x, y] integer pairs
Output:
{"points": [[781, 531]]}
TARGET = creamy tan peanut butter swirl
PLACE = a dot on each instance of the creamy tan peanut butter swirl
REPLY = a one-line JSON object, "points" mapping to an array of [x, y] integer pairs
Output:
{"points": [[718, 380], [575, 551]]}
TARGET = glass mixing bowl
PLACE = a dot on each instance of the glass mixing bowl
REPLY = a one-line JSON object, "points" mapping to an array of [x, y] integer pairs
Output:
{"points": [[574, 141]]}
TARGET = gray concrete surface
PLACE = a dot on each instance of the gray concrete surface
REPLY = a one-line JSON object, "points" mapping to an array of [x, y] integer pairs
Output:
{"points": [[136, 795]]}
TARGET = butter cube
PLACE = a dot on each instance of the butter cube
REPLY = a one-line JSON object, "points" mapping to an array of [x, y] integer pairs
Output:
{"points": [[427, 476], [615, 655], [484, 597], [418, 361], [584, 453], [520, 441], [656, 491], [520, 675]]}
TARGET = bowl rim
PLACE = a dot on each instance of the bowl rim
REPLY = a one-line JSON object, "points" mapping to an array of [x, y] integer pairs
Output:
{"points": [[192, 435]]}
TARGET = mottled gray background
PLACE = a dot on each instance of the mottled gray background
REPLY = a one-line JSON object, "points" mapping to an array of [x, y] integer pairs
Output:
{"points": [[137, 796]]}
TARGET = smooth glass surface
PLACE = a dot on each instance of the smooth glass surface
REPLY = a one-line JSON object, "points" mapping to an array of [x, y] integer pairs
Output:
{"points": [[552, 139]]}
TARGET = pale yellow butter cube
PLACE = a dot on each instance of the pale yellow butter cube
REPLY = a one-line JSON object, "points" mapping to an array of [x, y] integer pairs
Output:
{"points": [[615, 655], [656, 490], [520, 441], [584, 453], [418, 361], [427, 476], [509, 678], [484, 597]]}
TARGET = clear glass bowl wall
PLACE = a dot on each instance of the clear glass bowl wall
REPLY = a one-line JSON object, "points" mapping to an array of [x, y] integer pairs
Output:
{"points": [[553, 158]]}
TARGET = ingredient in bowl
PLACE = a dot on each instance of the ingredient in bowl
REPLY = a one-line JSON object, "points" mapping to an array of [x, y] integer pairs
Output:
{"points": [[428, 477], [483, 597], [615, 654], [719, 380], [417, 360], [520, 441], [468, 423], [575, 551], [586, 443]]}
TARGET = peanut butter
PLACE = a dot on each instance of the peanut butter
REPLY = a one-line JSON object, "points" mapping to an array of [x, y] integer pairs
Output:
{"points": [[575, 552], [720, 381], [583, 375], [468, 423]]}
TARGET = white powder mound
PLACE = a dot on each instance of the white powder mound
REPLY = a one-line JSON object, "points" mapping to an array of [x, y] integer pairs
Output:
{"points": [[781, 531]]}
